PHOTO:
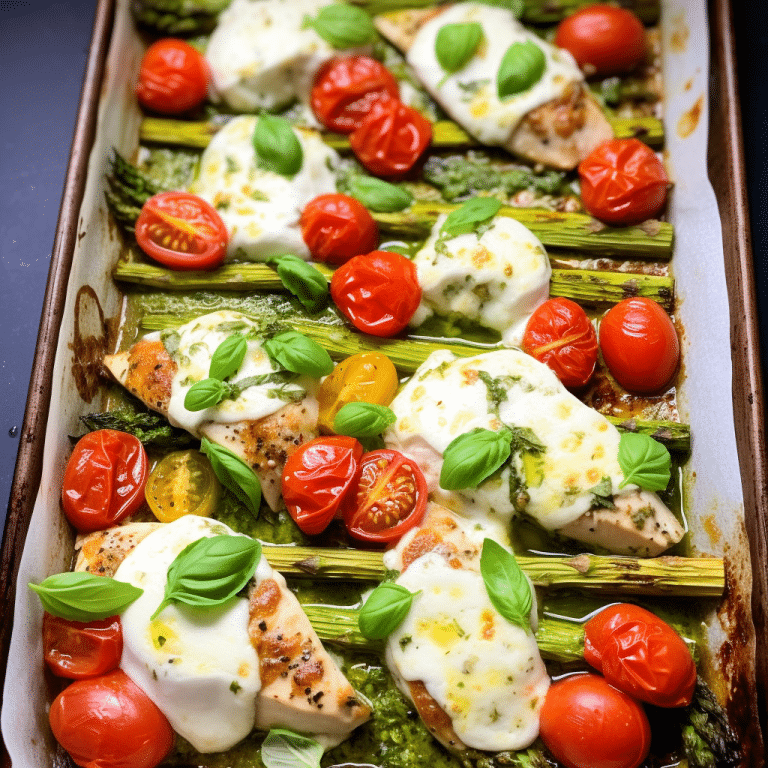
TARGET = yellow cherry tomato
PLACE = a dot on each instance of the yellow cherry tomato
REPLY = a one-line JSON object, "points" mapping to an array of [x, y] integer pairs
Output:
{"points": [[368, 377], [182, 483]]}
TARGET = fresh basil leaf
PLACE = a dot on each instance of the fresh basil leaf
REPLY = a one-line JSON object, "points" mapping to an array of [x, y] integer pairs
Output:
{"points": [[205, 394], [210, 571], [379, 195], [507, 587], [296, 352], [234, 474], [644, 461], [84, 597], [343, 26], [303, 280], [466, 219], [516, 7], [455, 44], [384, 610], [472, 457], [286, 749], [277, 147], [363, 419], [228, 357], [522, 66], [602, 494]]}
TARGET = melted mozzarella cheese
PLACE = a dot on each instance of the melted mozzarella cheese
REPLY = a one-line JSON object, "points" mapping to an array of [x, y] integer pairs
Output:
{"points": [[470, 95], [447, 397], [260, 208], [496, 279], [198, 666]]}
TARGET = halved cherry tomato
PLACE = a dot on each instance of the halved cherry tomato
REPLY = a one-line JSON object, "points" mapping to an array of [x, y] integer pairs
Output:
{"points": [[391, 138], [639, 345], [104, 480], [389, 498], [182, 231], [378, 292], [109, 722], [347, 87], [560, 335], [79, 650], [623, 182], [603, 39], [337, 227], [366, 377], [586, 723], [316, 478], [173, 77], [640, 654]]}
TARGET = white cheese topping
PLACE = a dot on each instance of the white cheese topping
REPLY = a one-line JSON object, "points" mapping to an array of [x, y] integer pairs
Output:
{"points": [[261, 209], [197, 665], [470, 96], [496, 279]]}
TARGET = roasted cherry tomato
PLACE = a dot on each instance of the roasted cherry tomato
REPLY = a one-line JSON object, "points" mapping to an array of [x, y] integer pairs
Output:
{"points": [[182, 483], [182, 231], [623, 182], [603, 39], [316, 478], [559, 334], [641, 655], [173, 77], [378, 292], [639, 345], [585, 723], [79, 650], [337, 227], [391, 138], [389, 498], [365, 377], [347, 87], [104, 480], [109, 722]]}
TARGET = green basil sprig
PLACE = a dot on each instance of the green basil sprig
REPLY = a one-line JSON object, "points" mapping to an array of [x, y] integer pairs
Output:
{"points": [[521, 67], [342, 26], [205, 394], [506, 584], [285, 749], [228, 357], [277, 147], [384, 610], [644, 461], [210, 571], [472, 457], [304, 281], [234, 474], [363, 419], [466, 219], [379, 195], [84, 597], [298, 353], [455, 44]]}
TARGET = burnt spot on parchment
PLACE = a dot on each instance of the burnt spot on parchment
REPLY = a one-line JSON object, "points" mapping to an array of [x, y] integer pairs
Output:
{"points": [[90, 343]]}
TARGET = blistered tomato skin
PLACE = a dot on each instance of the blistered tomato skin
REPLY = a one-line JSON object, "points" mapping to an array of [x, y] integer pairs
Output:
{"points": [[79, 650], [623, 182], [641, 655]]}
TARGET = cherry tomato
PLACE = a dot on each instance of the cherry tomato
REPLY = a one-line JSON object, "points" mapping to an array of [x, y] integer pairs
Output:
{"points": [[389, 499], [378, 292], [182, 231], [316, 478], [641, 655], [391, 138], [639, 345], [173, 77], [365, 377], [623, 182], [604, 40], [104, 480], [585, 723], [347, 87], [337, 227], [560, 335], [79, 650]]}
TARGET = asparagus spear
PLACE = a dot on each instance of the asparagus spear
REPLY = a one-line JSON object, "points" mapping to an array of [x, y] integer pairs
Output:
{"points": [[708, 739], [178, 17], [150, 428]]}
